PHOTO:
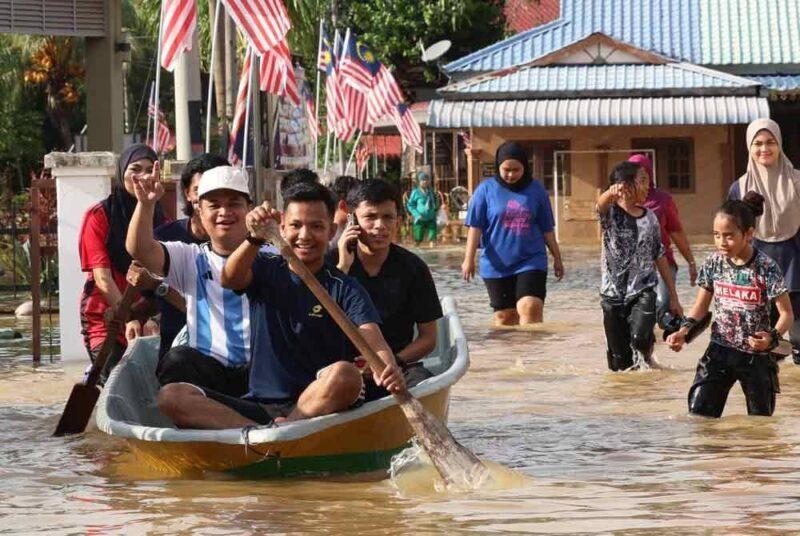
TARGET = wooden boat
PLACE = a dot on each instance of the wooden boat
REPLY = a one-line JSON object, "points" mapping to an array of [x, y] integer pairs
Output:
{"points": [[362, 440]]}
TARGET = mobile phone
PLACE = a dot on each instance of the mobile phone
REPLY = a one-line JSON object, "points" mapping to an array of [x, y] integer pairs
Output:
{"points": [[351, 220]]}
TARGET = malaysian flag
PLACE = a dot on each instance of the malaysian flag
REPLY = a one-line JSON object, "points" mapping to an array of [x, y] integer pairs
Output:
{"points": [[385, 95], [277, 74], [178, 24], [311, 113], [264, 22], [164, 140], [334, 96], [408, 127], [241, 108]]}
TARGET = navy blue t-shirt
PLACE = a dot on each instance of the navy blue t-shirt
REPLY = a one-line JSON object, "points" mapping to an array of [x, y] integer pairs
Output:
{"points": [[172, 320], [293, 336]]}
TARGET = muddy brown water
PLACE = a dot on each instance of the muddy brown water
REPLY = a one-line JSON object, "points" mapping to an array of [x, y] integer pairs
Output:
{"points": [[589, 451]]}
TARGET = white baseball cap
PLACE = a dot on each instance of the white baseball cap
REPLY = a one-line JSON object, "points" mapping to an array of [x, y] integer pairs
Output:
{"points": [[223, 178]]}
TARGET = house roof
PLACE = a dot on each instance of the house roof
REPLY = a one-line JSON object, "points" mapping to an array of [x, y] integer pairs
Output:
{"points": [[706, 32], [786, 83], [601, 80], [597, 112]]}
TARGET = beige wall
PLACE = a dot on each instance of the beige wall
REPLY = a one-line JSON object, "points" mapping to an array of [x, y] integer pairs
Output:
{"points": [[712, 170]]}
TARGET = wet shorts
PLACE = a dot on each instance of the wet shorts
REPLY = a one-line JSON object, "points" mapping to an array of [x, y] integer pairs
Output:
{"points": [[505, 292], [720, 367]]}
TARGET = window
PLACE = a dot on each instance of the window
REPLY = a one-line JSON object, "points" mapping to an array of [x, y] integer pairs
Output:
{"points": [[542, 159], [674, 162]]}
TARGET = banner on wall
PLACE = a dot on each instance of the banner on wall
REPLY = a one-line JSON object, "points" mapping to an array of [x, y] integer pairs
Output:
{"points": [[294, 144]]}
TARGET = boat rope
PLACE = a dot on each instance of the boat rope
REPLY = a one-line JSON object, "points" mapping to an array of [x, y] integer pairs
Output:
{"points": [[250, 448]]}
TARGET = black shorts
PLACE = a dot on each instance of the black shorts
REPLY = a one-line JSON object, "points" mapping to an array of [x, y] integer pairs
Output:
{"points": [[260, 411], [505, 292], [720, 367], [184, 364]]}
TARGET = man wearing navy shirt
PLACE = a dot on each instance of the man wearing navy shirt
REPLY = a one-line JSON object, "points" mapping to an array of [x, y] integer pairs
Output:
{"points": [[302, 363]]}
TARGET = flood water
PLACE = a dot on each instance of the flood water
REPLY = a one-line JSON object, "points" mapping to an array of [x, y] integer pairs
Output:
{"points": [[591, 451]]}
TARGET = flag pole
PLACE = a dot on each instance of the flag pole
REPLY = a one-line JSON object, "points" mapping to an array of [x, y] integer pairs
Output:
{"points": [[158, 76], [327, 153], [247, 108], [211, 74], [316, 110], [149, 103], [352, 153]]}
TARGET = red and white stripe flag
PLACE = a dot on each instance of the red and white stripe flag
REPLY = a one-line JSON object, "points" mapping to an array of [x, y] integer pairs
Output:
{"points": [[362, 156], [179, 22], [164, 140], [277, 73], [264, 22], [355, 109], [311, 112], [241, 108], [408, 127], [385, 95]]}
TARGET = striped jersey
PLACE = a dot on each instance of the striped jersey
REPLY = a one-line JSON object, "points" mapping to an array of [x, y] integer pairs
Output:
{"points": [[217, 319]]}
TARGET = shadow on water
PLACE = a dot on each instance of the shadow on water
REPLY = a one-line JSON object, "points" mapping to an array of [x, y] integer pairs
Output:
{"points": [[591, 451]]}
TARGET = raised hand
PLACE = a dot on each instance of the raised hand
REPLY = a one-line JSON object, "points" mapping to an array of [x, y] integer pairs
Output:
{"points": [[262, 221], [148, 188]]}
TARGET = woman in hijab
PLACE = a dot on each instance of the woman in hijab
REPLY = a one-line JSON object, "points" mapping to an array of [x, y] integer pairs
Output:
{"points": [[771, 174], [662, 204], [510, 216], [423, 204], [105, 259]]}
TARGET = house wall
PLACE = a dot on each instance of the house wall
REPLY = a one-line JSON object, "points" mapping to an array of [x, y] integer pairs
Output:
{"points": [[713, 170]]}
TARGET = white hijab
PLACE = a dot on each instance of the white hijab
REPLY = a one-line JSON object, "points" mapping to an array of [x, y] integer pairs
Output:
{"points": [[779, 184]]}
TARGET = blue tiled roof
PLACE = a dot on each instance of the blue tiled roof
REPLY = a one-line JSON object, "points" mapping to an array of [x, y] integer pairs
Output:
{"points": [[705, 32], [597, 112], [599, 78], [785, 82]]}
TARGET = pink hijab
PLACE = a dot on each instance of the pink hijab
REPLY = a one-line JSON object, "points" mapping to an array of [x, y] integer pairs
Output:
{"points": [[779, 184]]}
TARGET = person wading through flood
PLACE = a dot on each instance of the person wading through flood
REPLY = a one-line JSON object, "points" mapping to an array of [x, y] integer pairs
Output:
{"points": [[663, 206], [423, 204], [777, 232], [632, 251], [510, 217], [742, 281], [105, 260]]}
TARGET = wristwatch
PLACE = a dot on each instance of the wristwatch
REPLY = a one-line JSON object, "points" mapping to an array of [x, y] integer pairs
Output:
{"points": [[254, 240], [162, 289]]}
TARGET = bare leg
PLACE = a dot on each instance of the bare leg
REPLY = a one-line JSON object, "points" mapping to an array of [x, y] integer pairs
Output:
{"points": [[530, 309], [190, 408], [506, 317], [335, 390]]}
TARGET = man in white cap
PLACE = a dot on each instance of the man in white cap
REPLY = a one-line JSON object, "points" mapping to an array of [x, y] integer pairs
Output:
{"points": [[217, 319]]}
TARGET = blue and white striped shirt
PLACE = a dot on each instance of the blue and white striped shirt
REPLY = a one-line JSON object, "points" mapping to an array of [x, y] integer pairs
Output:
{"points": [[217, 319]]}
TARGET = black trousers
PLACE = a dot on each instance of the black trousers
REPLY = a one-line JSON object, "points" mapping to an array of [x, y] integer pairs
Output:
{"points": [[184, 364], [718, 370], [629, 328]]}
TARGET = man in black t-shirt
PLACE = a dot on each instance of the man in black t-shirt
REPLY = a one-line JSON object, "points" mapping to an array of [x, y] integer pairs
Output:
{"points": [[399, 283]]}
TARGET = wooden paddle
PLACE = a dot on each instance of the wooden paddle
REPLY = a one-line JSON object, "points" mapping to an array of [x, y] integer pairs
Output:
{"points": [[455, 463], [84, 395]]}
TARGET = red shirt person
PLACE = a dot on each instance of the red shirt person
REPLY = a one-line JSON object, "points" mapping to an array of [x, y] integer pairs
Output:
{"points": [[666, 211], [104, 257]]}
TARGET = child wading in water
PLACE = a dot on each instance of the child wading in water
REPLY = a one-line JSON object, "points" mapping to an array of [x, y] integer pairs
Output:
{"points": [[631, 247], [742, 281]]}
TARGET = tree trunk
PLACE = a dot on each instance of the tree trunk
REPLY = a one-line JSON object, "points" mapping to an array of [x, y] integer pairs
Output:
{"points": [[218, 65]]}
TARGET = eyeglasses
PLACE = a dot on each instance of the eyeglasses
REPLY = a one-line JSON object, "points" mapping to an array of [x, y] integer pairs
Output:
{"points": [[760, 144]]}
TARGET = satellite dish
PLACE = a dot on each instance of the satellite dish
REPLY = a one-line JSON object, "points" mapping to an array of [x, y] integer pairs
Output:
{"points": [[436, 50]]}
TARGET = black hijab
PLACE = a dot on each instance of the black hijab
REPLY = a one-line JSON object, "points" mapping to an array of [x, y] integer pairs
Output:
{"points": [[119, 206], [512, 150]]}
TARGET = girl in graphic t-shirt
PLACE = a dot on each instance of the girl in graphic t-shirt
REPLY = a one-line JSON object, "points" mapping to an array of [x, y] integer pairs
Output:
{"points": [[742, 282], [510, 216]]}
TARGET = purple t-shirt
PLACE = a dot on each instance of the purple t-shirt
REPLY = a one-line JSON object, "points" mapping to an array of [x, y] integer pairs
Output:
{"points": [[513, 226]]}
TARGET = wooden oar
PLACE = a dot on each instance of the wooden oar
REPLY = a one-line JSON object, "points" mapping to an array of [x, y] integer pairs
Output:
{"points": [[455, 463], [84, 395]]}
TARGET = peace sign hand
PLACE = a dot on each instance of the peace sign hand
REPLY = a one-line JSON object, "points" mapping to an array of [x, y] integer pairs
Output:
{"points": [[148, 188]]}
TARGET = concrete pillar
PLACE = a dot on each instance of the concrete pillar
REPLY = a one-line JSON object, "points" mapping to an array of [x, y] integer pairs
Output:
{"points": [[82, 179], [473, 170], [104, 94]]}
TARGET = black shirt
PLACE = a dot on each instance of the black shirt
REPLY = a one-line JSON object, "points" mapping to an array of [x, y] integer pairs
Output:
{"points": [[173, 320], [404, 293]]}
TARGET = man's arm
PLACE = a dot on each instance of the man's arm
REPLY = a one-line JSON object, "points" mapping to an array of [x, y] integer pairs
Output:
{"points": [[391, 378], [610, 196], [237, 274], [666, 274], [422, 345], [140, 242]]}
